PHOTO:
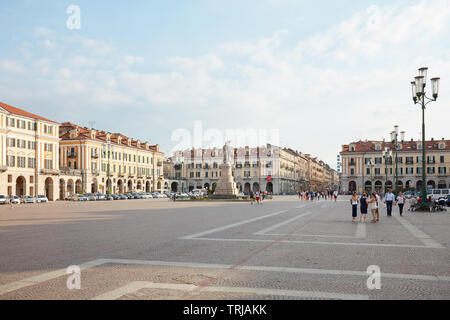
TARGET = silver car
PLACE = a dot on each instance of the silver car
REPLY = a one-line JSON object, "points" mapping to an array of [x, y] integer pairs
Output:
{"points": [[29, 199]]}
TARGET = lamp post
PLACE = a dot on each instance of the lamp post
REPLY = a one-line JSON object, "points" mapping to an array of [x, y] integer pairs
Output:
{"points": [[395, 147], [386, 154], [419, 97], [371, 165], [107, 151]]}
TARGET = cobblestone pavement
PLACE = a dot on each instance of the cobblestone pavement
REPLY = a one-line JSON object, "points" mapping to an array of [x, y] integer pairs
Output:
{"points": [[282, 249]]}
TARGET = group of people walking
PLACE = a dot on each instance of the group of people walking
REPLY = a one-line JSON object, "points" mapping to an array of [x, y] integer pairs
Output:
{"points": [[259, 196], [311, 195], [372, 202]]}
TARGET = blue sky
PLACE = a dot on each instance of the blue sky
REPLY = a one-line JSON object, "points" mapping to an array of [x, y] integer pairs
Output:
{"points": [[323, 73]]}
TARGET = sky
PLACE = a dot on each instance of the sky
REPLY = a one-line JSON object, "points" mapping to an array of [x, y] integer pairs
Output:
{"points": [[309, 75]]}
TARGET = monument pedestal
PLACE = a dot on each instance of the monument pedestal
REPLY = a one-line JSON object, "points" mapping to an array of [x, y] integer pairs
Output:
{"points": [[225, 187]]}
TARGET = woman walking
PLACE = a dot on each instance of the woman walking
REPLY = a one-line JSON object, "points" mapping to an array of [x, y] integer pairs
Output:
{"points": [[363, 206], [354, 201], [373, 205], [401, 202]]}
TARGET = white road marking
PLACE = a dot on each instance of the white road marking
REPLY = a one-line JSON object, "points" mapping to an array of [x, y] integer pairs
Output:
{"points": [[203, 233], [62, 272], [44, 277], [299, 235], [319, 242], [282, 223], [138, 285], [422, 236], [361, 230]]}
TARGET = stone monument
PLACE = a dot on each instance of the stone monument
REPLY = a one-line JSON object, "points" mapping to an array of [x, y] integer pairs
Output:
{"points": [[226, 188]]}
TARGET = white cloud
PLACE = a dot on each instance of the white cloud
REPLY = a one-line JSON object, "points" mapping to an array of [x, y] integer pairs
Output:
{"points": [[12, 66]]}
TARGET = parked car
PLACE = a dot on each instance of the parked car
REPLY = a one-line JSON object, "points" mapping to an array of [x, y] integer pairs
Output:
{"points": [[29, 199], [3, 199], [115, 196], [129, 195], [444, 201], [157, 195], [78, 197], [109, 197], [123, 197], [41, 198], [135, 195], [15, 200], [100, 196], [91, 197]]}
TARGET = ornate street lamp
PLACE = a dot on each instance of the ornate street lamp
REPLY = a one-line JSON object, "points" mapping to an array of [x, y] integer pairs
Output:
{"points": [[420, 97], [386, 154], [395, 146]]}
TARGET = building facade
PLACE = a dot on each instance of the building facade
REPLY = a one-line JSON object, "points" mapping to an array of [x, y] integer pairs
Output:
{"points": [[268, 168], [99, 161], [29, 153], [43, 157], [364, 168]]}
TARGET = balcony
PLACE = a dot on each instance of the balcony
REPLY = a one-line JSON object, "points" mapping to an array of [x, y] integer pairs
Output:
{"points": [[70, 172], [71, 154], [95, 172], [94, 155], [430, 161], [50, 171]]}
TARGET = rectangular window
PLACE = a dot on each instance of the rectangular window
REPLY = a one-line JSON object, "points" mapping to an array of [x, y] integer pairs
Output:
{"points": [[206, 174], [48, 164], [442, 159], [368, 171], [378, 160], [409, 160], [431, 170], [31, 163], [377, 171], [442, 170], [21, 162], [48, 129], [11, 161], [11, 122], [352, 172], [191, 174], [48, 147], [11, 142], [400, 160]]}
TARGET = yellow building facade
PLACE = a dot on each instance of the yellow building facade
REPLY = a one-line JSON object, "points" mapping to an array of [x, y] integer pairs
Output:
{"points": [[29, 150]]}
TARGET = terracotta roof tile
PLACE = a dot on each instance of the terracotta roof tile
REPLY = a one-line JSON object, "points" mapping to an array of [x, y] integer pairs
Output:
{"points": [[24, 113]]}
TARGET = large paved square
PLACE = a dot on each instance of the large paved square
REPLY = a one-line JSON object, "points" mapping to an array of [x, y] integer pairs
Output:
{"points": [[282, 249]]}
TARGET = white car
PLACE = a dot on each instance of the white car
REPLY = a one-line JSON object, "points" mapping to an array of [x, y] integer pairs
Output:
{"points": [[15, 200], [29, 199], [157, 195], [3, 199], [41, 198]]}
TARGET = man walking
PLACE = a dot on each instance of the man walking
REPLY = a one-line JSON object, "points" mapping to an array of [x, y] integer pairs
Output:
{"points": [[389, 200]]}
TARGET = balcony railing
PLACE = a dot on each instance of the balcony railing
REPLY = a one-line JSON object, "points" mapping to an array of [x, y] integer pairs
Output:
{"points": [[50, 171], [71, 154], [94, 155], [70, 172]]}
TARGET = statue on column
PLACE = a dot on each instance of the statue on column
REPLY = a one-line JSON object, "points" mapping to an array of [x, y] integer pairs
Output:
{"points": [[228, 153]]}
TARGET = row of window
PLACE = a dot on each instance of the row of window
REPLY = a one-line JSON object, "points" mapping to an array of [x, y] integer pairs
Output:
{"points": [[20, 143], [141, 171], [21, 162], [21, 124], [408, 170], [127, 157], [408, 160]]}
